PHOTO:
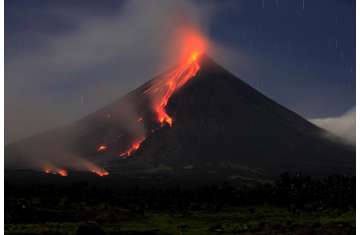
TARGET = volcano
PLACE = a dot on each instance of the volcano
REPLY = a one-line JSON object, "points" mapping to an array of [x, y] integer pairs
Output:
{"points": [[210, 121]]}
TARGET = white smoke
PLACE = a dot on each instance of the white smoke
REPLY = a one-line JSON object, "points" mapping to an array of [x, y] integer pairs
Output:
{"points": [[343, 126]]}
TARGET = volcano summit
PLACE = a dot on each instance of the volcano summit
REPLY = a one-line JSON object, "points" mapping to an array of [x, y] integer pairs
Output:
{"points": [[195, 117]]}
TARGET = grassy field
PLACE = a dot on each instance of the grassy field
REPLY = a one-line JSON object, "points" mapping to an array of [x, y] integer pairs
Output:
{"points": [[289, 205], [249, 220]]}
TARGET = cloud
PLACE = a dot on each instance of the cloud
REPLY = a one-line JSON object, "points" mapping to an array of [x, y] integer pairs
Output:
{"points": [[343, 126]]}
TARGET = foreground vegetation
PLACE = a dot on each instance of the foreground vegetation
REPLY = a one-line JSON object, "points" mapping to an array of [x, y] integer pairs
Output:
{"points": [[252, 220], [290, 205]]}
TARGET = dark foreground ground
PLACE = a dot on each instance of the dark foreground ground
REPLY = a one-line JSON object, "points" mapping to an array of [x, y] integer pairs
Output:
{"points": [[289, 205], [232, 220]]}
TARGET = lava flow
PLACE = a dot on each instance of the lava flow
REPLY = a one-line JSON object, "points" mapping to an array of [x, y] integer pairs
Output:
{"points": [[55, 171], [100, 172], [135, 146], [170, 83], [192, 45], [166, 86], [101, 148], [92, 167]]}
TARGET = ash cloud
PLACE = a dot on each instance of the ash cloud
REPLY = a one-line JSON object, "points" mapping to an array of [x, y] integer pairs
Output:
{"points": [[343, 126], [72, 73]]}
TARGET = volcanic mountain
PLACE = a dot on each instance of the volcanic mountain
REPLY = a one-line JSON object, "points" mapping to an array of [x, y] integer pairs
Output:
{"points": [[216, 120]]}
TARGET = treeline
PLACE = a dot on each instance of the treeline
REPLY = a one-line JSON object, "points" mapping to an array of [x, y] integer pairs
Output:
{"points": [[300, 191], [295, 192]]}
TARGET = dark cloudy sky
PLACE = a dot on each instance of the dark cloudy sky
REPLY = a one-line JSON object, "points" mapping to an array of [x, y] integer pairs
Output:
{"points": [[64, 59]]}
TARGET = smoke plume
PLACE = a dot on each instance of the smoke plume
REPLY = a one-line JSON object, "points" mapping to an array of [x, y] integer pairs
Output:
{"points": [[99, 60], [343, 126]]}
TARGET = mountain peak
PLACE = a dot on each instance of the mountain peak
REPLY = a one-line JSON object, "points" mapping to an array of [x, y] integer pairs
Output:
{"points": [[195, 114]]}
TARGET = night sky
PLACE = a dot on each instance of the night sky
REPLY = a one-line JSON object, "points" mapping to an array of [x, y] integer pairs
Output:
{"points": [[301, 53]]}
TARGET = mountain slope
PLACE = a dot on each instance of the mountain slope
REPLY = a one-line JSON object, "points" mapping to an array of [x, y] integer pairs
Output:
{"points": [[218, 120]]}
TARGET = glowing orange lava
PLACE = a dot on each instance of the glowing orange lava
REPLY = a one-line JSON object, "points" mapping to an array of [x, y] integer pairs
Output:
{"points": [[135, 146], [100, 172], [62, 172], [102, 148], [164, 89], [55, 171], [92, 167], [171, 83], [166, 86], [187, 41], [189, 45]]}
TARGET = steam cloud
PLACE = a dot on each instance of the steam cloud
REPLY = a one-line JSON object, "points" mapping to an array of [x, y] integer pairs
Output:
{"points": [[343, 126]]}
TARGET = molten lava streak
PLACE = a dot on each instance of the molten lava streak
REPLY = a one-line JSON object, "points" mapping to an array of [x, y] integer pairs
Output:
{"points": [[164, 89], [102, 148], [100, 172], [189, 44], [55, 171], [62, 172], [92, 167], [135, 146], [171, 83]]}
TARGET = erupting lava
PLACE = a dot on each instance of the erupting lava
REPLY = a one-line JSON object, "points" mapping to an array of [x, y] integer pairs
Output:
{"points": [[82, 165], [62, 172], [55, 171], [171, 83], [95, 169], [135, 146], [100, 172], [192, 45], [101, 148], [165, 88]]}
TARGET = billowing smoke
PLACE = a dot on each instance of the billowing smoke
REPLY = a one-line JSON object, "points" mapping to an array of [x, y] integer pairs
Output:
{"points": [[98, 61], [343, 126]]}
